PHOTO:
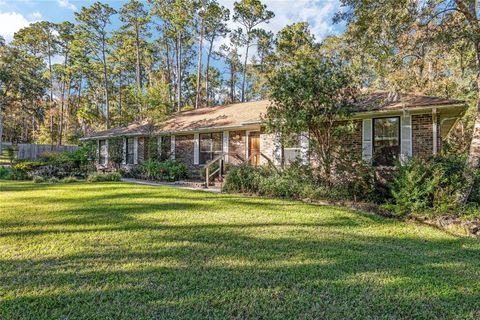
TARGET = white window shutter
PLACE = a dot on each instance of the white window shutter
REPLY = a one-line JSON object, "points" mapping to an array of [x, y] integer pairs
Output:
{"points": [[277, 149], [98, 152], [196, 148], [226, 138], [159, 146], [107, 154], [367, 145], [124, 151], [304, 146], [135, 150], [172, 147], [405, 138]]}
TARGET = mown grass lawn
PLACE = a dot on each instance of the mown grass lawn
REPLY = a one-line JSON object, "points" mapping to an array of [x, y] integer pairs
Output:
{"points": [[117, 250]]}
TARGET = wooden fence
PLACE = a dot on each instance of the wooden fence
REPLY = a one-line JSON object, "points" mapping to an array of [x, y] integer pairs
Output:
{"points": [[33, 151]]}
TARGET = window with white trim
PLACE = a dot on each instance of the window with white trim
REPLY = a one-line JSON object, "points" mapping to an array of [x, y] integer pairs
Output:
{"points": [[211, 145], [386, 141], [292, 148]]}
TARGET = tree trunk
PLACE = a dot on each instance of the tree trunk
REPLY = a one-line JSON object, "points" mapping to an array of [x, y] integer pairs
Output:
{"points": [[62, 104], [232, 84], [199, 66], [138, 75], [473, 160], [179, 72], [210, 49], [245, 71], [1, 130], [170, 73], [105, 83]]}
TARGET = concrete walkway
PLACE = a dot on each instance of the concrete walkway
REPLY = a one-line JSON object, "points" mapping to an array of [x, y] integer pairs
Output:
{"points": [[179, 184]]}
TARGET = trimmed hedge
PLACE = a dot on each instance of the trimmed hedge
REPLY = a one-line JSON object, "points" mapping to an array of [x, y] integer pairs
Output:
{"points": [[104, 177]]}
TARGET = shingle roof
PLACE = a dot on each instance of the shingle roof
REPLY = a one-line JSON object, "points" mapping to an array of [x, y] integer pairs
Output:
{"points": [[238, 114], [383, 100]]}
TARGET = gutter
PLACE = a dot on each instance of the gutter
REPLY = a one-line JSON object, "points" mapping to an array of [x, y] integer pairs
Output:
{"points": [[242, 125]]}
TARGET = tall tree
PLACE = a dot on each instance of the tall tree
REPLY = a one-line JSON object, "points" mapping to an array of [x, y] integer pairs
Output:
{"points": [[64, 39], [135, 28], [216, 17], [250, 14], [177, 20], [93, 23]]}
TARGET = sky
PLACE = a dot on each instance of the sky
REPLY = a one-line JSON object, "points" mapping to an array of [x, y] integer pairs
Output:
{"points": [[16, 14]]}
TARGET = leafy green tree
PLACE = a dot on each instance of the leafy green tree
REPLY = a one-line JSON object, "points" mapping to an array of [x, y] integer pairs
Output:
{"points": [[312, 95]]}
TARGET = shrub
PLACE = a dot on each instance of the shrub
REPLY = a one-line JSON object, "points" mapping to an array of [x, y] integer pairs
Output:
{"points": [[69, 180], [53, 180], [103, 177], [425, 185], [169, 170], [26, 166], [280, 186], [245, 178], [38, 179], [174, 170], [9, 173]]}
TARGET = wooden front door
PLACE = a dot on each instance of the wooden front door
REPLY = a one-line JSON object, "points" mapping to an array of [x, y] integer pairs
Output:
{"points": [[254, 148]]}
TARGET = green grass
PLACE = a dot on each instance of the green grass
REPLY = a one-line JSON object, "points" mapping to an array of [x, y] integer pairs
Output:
{"points": [[124, 251], [4, 159]]}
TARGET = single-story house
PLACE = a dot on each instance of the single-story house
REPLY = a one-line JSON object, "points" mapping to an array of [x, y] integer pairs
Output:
{"points": [[390, 126]]}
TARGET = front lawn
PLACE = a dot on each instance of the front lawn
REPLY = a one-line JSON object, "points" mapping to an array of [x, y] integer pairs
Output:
{"points": [[117, 250]]}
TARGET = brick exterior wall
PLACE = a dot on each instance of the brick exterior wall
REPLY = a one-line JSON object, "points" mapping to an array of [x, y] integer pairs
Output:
{"points": [[267, 147], [237, 146], [422, 135], [184, 146], [351, 143]]}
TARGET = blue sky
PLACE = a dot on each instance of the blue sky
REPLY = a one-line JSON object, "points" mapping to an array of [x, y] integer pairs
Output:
{"points": [[15, 14]]}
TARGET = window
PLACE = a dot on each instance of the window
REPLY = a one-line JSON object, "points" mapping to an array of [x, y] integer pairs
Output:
{"points": [[386, 141], [165, 147], [210, 146], [129, 152], [291, 148], [103, 152]]}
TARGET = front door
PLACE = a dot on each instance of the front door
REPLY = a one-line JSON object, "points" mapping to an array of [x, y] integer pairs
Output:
{"points": [[254, 148]]}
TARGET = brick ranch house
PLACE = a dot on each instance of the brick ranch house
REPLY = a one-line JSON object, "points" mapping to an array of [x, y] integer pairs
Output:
{"points": [[389, 126]]}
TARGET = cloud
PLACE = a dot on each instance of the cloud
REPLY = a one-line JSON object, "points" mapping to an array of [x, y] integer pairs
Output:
{"points": [[318, 13], [11, 23], [35, 15], [66, 4]]}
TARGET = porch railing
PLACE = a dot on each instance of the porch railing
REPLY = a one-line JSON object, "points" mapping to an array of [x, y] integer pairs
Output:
{"points": [[220, 171], [221, 160]]}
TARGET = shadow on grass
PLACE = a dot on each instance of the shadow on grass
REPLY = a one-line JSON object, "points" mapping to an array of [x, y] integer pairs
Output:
{"points": [[224, 274], [131, 266]]}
